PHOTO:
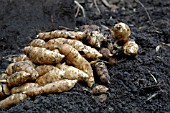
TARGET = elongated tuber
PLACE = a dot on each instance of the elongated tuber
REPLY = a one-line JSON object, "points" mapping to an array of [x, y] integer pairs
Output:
{"points": [[27, 67], [95, 38], [23, 87], [51, 76], [62, 34], [59, 86], [37, 43], [12, 100], [73, 73], [73, 56], [42, 56], [54, 87], [17, 79], [102, 72], [34, 91], [87, 51], [43, 69]]}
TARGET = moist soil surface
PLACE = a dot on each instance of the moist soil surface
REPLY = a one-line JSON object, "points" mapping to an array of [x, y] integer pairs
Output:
{"points": [[138, 85]]}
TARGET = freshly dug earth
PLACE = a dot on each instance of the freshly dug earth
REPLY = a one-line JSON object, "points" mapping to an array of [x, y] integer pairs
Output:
{"points": [[133, 87]]}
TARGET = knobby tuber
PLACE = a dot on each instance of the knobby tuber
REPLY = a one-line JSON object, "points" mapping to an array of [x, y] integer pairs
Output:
{"points": [[59, 86], [17, 79], [27, 67], [73, 73], [51, 76], [37, 43], [95, 38], [73, 56], [88, 51], [23, 87], [42, 55], [102, 72], [54, 87], [12, 100], [130, 48], [99, 89], [121, 32], [43, 69], [62, 34]]}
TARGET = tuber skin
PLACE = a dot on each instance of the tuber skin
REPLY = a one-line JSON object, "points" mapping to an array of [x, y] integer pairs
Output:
{"points": [[37, 43], [42, 55], [130, 48], [34, 91], [73, 73], [12, 100], [74, 57], [99, 89], [121, 32], [54, 87], [43, 69], [17, 79], [51, 76], [27, 67], [102, 72], [4, 90], [88, 52], [95, 38], [62, 34], [23, 87], [59, 86]]}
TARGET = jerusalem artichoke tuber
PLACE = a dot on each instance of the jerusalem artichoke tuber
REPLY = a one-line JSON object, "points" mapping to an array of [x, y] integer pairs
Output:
{"points": [[88, 52], [130, 48], [17, 79], [27, 67], [42, 56], [51, 76], [62, 34], [23, 87], [73, 73], [73, 56], [121, 32], [43, 69], [12, 100], [59, 86], [102, 72], [95, 38], [54, 87], [37, 43], [99, 89]]}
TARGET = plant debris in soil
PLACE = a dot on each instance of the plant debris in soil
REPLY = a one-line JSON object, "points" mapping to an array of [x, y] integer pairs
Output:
{"points": [[140, 84]]}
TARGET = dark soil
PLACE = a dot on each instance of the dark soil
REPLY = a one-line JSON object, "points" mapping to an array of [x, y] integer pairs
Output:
{"points": [[132, 88]]}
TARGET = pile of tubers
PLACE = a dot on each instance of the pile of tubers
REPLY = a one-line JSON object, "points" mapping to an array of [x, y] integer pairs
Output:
{"points": [[55, 61]]}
